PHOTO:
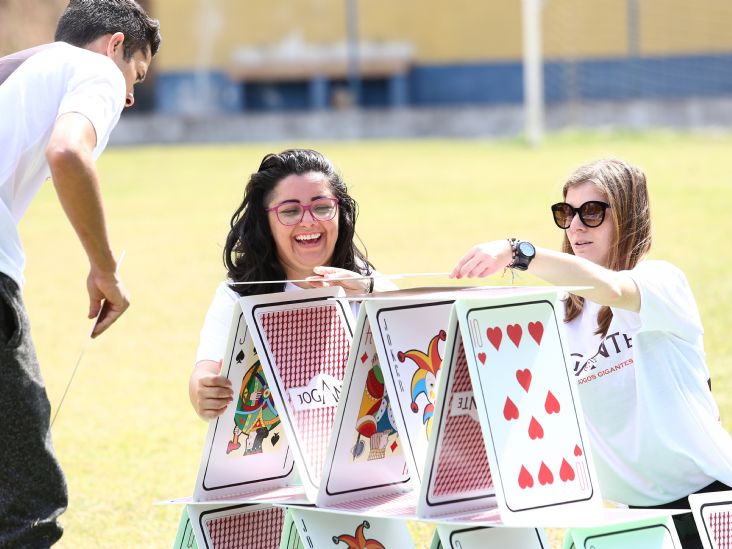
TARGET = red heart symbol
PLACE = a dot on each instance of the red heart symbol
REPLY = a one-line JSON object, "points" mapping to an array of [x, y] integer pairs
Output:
{"points": [[577, 451], [525, 479], [481, 357], [514, 332], [536, 329], [535, 429], [510, 411], [495, 335], [565, 471], [552, 404], [524, 378], [545, 475]]}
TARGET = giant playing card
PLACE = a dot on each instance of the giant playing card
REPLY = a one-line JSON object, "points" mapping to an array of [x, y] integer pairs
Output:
{"points": [[462, 537], [713, 517], [457, 473], [658, 533], [237, 526], [185, 538], [302, 340], [290, 535], [410, 338], [528, 405], [365, 456], [246, 449], [323, 530]]}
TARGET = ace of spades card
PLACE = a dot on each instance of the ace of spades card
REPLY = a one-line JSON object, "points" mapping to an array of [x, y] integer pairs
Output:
{"points": [[528, 405], [457, 473], [246, 448], [471, 537], [237, 526], [713, 516], [410, 338], [365, 457], [324, 530], [302, 340]]}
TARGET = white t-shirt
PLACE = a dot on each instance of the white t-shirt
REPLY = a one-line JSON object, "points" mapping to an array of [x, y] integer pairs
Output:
{"points": [[653, 423], [215, 331], [56, 80]]}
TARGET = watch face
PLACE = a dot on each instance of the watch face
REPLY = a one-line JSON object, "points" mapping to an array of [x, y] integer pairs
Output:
{"points": [[526, 249]]}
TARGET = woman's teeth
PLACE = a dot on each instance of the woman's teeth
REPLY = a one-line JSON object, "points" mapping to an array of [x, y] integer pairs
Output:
{"points": [[307, 237]]}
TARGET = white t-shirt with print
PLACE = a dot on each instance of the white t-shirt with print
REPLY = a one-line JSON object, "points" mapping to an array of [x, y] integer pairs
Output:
{"points": [[215, 330], [57, 80], [652, 420]]}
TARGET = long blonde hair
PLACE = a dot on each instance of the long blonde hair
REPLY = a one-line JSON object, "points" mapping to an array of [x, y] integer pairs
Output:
{"points": [[624, 188]]}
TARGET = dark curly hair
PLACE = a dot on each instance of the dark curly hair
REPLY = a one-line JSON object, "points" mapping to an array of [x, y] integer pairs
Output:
{"points": [[83, 21], [250, 254]]}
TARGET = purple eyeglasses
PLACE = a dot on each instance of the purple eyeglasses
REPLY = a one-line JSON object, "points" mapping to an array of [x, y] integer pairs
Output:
{"points": [[291, 213]]}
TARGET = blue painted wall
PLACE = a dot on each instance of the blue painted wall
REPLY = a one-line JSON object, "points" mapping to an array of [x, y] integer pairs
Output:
{"points": [[468, 84]]}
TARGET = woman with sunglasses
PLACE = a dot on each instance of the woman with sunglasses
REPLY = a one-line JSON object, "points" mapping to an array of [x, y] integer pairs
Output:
{"points": [[635, 338], [296, 222]]}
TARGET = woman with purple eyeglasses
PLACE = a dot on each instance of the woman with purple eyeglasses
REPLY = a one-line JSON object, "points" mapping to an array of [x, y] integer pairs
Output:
{"points": [[636, 343], [296, 222]]}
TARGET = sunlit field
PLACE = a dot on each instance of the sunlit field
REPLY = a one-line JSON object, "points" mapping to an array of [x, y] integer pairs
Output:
{"points": [[126, 434]]}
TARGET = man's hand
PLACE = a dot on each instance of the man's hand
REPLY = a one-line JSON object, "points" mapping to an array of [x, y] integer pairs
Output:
{"points": [[108, 298]]}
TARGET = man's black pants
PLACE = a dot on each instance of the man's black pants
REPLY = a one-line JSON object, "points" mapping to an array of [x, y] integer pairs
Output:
{"points": [[32, 486]]}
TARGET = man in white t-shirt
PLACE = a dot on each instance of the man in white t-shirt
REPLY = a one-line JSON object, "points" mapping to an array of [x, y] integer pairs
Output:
{"points": [[59, 104]]}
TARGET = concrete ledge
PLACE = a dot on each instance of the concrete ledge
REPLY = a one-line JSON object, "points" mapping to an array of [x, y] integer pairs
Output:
{"points": [[465, 122]]}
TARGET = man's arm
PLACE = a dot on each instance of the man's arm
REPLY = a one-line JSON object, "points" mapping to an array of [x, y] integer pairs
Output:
{"points": [[70, 157]]}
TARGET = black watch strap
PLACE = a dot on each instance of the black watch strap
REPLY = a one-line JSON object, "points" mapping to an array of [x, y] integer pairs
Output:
{"points": [[521, 256]]}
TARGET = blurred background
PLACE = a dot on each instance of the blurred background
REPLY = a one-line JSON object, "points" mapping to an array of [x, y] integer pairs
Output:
{"points": [[233, 70]]}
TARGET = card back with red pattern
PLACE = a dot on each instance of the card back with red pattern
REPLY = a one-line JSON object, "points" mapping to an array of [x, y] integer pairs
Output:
{"points": [[237, 526], [303, 340], [713, 516], [457, 473]]}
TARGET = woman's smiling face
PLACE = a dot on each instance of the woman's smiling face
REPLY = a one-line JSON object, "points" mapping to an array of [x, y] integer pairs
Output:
{"points": [[310, 242]]}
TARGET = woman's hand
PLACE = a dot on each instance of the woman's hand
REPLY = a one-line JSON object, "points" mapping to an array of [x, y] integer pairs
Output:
{"points": [[483, 260], [353, 283], [209, 391]]}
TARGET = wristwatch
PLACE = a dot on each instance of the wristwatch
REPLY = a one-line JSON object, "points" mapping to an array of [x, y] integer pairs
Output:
{"points": [[523, 252]]}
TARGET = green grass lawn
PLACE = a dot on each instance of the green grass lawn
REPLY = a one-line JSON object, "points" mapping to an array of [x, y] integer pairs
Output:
{"points": [[126, 434]]}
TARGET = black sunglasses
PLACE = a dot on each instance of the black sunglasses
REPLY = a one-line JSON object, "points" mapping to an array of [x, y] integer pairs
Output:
{"points": [[591, 213]]}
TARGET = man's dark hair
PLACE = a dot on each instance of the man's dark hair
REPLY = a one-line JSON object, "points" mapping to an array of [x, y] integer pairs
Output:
{"points": [[84, 21], [250, 254]]}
